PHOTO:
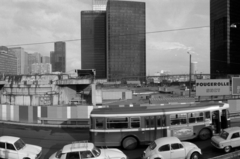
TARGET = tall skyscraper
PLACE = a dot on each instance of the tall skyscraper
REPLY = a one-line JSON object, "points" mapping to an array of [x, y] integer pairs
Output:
{"points": [[33, 58], [45, 59], [126, 39], [8, 62], [22, 59], [58, 57], [224, 37], [99, 5], [93, 43], [114, 42]]}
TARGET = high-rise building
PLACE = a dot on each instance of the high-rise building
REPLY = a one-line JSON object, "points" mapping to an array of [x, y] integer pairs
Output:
{"points": [[45, 59], [114, 42], [93, 43], [33, 58], [22, 59], [41, 68], [126, 39], [8, 62], [99, 5], [224, 37], [58, 57]]}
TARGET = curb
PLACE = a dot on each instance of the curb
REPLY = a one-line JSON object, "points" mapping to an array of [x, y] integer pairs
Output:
{"points": [[44, 125]]}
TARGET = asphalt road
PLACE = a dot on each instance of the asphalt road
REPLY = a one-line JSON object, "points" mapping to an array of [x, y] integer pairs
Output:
{"points": [[53, 139]]}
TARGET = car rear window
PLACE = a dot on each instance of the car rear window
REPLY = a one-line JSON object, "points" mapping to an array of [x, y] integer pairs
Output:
{"points": [[152, 145]]}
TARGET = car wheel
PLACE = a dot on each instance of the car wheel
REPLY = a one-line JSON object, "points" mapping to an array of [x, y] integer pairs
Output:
{"points": [[227, 149], [195, 155], [205, 134], [129, 143]]}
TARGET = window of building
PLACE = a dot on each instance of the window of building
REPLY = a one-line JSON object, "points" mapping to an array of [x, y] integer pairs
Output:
{"points": [[117, 123]]}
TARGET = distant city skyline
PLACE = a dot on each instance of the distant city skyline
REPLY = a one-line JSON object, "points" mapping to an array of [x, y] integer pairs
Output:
{"points": [[166, 46]]}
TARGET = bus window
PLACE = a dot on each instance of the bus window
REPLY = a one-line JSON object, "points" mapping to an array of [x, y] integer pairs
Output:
{"points": [[135, 122], [178, 119], [207, 117], [149, 121], [117, 123], [99, 123], [195, 117]]}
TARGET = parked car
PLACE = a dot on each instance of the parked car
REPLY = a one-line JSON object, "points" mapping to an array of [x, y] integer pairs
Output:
{"points": [[229, 138], [170, 148], [84, 149], [14, 148]]}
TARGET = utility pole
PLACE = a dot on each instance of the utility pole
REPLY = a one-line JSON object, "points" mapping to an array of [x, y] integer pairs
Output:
{"points": [[190, 74]]}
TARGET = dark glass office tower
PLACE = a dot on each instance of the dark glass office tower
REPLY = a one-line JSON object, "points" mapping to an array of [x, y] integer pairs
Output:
{"points": [[224, 38], [93, 42], [58, 57], [126, 39]]}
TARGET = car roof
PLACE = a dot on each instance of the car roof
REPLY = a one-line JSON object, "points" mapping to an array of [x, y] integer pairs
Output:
{"points": [[167, 140], [77, 146], [232, 129], [9, 139]]}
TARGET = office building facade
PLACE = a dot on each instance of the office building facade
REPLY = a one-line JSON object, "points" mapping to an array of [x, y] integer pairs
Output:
{"points": [[22, 59], [224, 38], [114, 42], [41, 68], [58, 57], [8, 62], [93, 42], [33, 58], [45, 59], [126, 39]]}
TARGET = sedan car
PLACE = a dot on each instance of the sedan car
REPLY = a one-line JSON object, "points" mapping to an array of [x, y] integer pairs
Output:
{"points": [[229, 138], [171, 148], [84, 149], [14, 148]]}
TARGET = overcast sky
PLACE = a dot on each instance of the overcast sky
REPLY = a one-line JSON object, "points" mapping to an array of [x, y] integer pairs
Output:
{"points": [[38, 21]]}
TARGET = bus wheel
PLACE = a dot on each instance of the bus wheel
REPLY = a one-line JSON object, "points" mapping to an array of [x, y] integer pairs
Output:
{"points": [[205, 134], [129, 143]]}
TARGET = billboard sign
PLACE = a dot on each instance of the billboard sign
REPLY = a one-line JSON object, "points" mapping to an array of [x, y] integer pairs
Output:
{"points": [[235, 85], [213, 87]]}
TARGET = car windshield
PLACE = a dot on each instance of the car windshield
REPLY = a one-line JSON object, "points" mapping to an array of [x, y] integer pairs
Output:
{"points": [[152, 145], [59, 154], [19, 144], [96, 151], [224, 135]]}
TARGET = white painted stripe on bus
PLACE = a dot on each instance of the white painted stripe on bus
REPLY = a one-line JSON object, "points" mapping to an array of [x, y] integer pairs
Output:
{"points": [[68, 112], [127, 130], [4, 112], [39, 113], [12, 112], [156, 113]]}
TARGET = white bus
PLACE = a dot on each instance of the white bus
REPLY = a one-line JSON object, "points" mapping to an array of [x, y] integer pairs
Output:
{"points": [[132, 126]]}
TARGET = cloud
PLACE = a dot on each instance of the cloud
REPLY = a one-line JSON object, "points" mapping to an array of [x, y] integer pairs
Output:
{"points": [[168, 46]]}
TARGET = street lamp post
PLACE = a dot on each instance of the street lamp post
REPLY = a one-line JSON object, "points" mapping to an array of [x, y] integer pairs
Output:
{"points": [[190, 74]]}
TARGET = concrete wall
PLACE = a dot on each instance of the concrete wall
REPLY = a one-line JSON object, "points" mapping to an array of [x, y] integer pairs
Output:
{"points": [[234, 105], [116, 94], [31, 114]]}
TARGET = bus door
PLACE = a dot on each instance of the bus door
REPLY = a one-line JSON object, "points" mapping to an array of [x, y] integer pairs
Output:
{"points": [[150, 133], [216, 123], [98, 137], [161, 130], [225, 123]]}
